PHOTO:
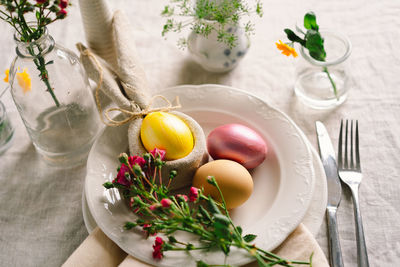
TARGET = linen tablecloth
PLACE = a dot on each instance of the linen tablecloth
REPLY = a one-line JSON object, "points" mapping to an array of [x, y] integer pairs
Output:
{"points": [[40, 207]]}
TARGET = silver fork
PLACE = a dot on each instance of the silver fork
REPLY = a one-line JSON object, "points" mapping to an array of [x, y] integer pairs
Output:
{"points": [[349, 170]]}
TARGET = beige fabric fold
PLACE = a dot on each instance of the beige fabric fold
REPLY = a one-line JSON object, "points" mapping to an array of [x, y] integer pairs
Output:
{"points": [[97, 248], [96, 17], [129, 68], [109, 85]]}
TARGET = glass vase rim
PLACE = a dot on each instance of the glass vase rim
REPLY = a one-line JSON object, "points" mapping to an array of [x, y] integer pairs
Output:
{"points": [[336, 61], [39, 40]]}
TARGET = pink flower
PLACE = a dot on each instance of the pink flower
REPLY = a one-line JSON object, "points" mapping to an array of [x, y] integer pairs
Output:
{"points": [[63, 3], [147, 229], [136, 160], [121, 179], [183, 196], [157, 248], [193, 194], [62, 13], [159, 152], [166, 202], [153, 207]]}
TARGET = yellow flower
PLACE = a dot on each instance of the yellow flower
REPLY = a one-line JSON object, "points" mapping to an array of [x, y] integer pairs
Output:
{"points": [[24, 80], [286, 49], [7, 72]]}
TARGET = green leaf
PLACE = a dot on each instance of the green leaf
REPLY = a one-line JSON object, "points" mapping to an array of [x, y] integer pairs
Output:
{"points": [[239, 229], [37, 15], [205, 213], [315, 45], [293, 37], [310, 21], [212, 207], [248, 238], [108, 185], [54, 8], [225, 248], [189, 246], [222, 219], [172, 239], [202, 264], [261, 262], [129, 225], [221, 231], [167, 11]]}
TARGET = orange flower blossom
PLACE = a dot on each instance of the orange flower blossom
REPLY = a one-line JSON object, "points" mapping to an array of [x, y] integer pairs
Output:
{"points": [[286, 49]]}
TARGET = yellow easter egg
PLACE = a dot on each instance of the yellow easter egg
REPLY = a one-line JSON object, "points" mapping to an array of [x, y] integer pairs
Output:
{"points": [[168, 132]]}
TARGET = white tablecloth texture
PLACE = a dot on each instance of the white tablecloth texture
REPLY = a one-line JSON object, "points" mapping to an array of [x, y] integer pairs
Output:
{"points": [[41, 221]]}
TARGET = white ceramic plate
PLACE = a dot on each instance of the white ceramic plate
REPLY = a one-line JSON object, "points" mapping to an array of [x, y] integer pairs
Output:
{"points": [[283, 183]]}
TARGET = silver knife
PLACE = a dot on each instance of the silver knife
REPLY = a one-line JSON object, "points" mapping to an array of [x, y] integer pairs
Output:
{"points": [[328, 159]]}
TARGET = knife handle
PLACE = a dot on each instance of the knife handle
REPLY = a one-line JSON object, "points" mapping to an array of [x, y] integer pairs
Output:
{"points": [[335, 251]]}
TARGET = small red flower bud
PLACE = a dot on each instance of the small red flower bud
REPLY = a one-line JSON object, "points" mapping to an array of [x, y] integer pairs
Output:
{"points": [[193, 194], [158, 152], [157, 248], [62, 13], [184, 197], [153, 207], [136, 160], [166, 202], [121, 178], [63, 3]]}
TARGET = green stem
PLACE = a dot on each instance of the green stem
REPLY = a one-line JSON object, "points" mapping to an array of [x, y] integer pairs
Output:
{"points": [[226, 210], [41, 66], [325, 69], [194, 248], [5, 14], [51, 91], [277, 258], [24, 25]]}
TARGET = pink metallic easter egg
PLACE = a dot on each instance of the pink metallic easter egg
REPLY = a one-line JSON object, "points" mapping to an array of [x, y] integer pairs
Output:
{"points": [[238, 143]]}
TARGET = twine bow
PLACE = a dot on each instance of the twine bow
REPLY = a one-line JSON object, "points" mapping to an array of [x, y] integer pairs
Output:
{"points": [[136, 114], [131, 114]]}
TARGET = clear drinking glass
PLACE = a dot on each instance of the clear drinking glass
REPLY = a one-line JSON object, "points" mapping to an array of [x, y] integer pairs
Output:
{"points": [[53, 96], [6, 130], [324, 84]]}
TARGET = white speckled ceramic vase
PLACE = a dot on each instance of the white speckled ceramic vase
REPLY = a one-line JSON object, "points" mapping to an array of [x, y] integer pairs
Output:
{"points": [[216, 56]]}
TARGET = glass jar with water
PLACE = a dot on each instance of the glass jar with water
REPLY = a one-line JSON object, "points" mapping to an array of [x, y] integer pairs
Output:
{"points": [[53, 96], [324, 84]]}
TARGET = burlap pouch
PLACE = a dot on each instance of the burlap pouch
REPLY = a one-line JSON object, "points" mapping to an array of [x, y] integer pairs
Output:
{"points": [[123, 80]]}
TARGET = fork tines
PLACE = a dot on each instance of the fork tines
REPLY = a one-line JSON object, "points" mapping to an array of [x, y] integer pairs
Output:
{"points": [[354, 161]]}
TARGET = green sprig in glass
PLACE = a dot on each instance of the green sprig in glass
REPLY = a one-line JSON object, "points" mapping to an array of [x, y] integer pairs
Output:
{"points": [[161, 212], [313, 42], [14, 12]]}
